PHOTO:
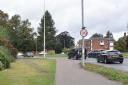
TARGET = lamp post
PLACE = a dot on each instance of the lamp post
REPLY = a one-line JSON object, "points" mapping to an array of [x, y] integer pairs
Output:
{"points": [[83, 51], [44, 30]]}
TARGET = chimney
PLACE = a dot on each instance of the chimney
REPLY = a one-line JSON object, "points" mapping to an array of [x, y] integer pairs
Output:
{"points": [[125, 34]]}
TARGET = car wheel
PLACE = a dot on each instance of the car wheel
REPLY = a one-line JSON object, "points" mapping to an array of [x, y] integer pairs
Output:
{"points": [[121, 62], [98, 60], [105, 61]]}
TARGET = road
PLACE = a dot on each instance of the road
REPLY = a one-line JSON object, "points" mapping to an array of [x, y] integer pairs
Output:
{"points": [[123, 67]]}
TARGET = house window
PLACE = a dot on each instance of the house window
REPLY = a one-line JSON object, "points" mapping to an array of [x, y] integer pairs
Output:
{"points": [[101, 42], [111, 43]]}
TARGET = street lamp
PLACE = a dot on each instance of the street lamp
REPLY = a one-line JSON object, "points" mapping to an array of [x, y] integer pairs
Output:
{"points": [[44, 30], [83, 51]]}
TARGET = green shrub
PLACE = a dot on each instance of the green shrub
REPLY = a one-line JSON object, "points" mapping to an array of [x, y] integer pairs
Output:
{"points": [[1, 66], [5, 57], [65, 50], [51, 52]]}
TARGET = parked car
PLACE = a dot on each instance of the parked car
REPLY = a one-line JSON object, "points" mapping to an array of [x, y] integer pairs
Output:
{"points": [[110, 56], [76, 53], [29, 54], [94, 53], [20, 55]]}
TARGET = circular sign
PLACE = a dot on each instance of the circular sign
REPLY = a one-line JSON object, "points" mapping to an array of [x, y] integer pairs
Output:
{"points": [[83, 32]]}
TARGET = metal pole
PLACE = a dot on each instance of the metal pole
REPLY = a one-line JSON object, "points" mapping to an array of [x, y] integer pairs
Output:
{"points": [[83, 52], [44, 30], [36, 46]]}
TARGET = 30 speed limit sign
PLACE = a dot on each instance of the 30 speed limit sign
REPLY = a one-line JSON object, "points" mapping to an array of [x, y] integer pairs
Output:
{"points": [[84, 32]]}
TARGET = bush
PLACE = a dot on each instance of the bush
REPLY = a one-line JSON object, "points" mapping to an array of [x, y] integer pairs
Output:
{"points": [[66, 50], [5, 57], [1, 66], [51, 52]]}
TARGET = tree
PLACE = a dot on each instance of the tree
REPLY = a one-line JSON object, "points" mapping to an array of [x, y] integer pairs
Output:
{"points": [[14, 28], [50, 32], [25, 40], [109, 35], [3, 19], [58, 47], [21, 34], [66, 40], [96, 35], [120, 44]]}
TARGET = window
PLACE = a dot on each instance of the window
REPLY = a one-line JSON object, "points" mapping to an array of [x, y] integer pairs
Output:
{"points": [[101, 42]]}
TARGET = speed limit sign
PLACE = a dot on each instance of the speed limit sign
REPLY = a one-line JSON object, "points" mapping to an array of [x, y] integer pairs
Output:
{"points": [[84, 32]]}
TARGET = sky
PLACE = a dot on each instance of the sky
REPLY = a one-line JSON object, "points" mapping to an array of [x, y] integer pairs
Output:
{"points": [[99, 15]]}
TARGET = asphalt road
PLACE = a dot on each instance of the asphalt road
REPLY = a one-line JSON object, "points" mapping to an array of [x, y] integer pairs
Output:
{"points": [[123, 67]]}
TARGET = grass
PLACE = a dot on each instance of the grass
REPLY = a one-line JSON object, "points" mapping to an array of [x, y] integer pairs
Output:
{"points": [[110, 73], [29, 72], [54, 56], [57, 55], [125, 54]]}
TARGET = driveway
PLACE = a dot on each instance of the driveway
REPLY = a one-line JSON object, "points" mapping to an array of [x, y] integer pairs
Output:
{"points": [[123, 67], [69, 72]]}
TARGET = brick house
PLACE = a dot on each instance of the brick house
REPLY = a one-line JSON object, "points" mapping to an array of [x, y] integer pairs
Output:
{"points": [[97, 43]]}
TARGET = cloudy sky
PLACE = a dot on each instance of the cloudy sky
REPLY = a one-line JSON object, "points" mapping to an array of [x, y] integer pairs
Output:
{"points": [[100, 15]]}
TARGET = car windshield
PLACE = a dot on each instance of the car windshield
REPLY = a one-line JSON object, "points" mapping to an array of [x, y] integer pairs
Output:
{"points": [[104, 52], [115, 52], [111, 52]]}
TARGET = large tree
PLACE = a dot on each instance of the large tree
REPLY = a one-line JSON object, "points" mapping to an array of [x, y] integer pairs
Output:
{"points": [[21, 34], [66, 40], [3, 19], [50, 32]]}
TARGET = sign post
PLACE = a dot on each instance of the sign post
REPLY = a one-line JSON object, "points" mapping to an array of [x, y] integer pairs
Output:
{"points": [[83, 33]]}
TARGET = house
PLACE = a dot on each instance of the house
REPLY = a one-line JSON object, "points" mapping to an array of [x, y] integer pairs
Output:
{"points": [[97, 43]]}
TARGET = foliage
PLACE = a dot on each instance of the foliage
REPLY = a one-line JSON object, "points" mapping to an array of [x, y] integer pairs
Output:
{"points": [[96, 35], [120, 44], [109, 35], [66, 50], [65, 39], [50, 32], [3, 19], [51, 52], [3, 32], [1, 66], [21, 34], [5, 57], [110, 73], [58, 47], [125, 54]]}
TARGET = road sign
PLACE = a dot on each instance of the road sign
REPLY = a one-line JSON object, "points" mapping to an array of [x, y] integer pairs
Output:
{"points": [[84, 32]]}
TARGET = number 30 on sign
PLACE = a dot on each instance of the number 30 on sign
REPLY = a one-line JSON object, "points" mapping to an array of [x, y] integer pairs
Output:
{"points": [[84, 32]]}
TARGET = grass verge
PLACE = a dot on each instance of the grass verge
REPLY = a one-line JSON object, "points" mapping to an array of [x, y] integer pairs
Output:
{"points": [[110, 73], [29, 72], [125, 54]]}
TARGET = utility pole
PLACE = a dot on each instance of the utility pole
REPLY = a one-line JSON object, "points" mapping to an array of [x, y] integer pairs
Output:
{"points": [[44, 31]]}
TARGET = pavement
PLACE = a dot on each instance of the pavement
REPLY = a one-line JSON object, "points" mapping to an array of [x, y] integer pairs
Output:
{"points": [[69, 72]]}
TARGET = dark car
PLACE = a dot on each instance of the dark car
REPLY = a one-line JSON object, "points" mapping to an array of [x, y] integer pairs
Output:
{"points": [[94, 53], [110, 56], [76, 53]]}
